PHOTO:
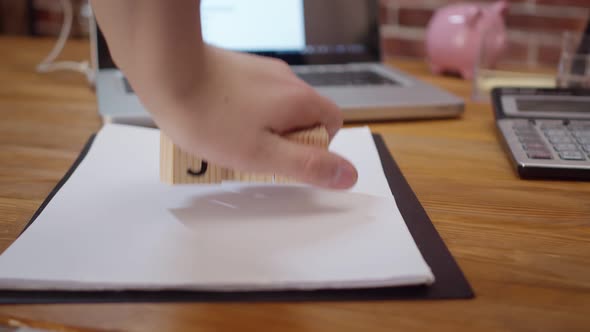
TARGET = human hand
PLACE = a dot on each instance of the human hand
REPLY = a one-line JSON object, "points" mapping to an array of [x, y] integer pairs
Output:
{"points": [[236, 111]]}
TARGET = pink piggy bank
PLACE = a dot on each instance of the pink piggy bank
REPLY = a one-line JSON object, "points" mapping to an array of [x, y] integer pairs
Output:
{"points": [[456, 32]]}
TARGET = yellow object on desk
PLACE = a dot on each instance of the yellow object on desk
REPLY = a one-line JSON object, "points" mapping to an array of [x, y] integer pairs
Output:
{"points": [[180, 167]]}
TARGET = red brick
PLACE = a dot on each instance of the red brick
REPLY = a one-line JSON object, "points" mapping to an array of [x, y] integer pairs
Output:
{"points": [[383, 14], [414, 16], [45, 15], [441, 3], [403, 47], [574, 3], [549, 55], [516, 52], [540, 23]]}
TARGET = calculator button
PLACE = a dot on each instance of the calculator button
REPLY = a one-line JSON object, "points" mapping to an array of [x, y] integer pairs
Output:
{"points": [[571, 155], [555, 132], [583, 140], [579, 125], [580, 133], [586, 147], [539, 154], [565, 147], [530, 139], [534, 146], [560, 139], [526, 132]]}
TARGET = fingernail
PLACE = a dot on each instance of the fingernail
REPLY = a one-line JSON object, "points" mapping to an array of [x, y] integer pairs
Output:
{"points": [[345, 176]]}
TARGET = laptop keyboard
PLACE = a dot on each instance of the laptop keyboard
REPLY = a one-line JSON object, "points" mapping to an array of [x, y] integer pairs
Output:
{"points": [[330, 78], [340, 78]]}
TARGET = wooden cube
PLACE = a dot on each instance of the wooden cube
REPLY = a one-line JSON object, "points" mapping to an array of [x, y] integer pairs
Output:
{"points": [[179, 167]]}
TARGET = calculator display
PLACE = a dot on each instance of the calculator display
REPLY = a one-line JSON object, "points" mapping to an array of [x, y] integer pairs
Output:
{"points": [[537, 105], [545, 104]]}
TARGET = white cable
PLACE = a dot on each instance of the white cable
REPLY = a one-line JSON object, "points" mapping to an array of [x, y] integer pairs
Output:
{"points": [[49, 65]]}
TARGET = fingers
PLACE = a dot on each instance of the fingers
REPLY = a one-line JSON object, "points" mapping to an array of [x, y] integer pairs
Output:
{"points": [[307, 109], [309, 164], [330, 114]]}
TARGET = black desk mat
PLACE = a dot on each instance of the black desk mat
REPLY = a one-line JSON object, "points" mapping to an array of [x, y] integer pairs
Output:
{"points": [[450, 282]]}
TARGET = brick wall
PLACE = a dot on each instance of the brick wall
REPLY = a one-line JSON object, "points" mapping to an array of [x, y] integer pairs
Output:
{"points": [[13, 17], [41, 17], [47, 17], [534, 27]]}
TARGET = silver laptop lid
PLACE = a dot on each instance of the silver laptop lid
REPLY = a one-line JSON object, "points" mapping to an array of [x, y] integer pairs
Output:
{"points": [[300, 32]]}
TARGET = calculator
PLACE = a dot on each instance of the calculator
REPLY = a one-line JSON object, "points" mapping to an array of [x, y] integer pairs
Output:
{"points": [[545, 131]]}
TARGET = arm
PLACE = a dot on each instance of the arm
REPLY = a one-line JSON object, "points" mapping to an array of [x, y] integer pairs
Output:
{"points": [[228, 107]]}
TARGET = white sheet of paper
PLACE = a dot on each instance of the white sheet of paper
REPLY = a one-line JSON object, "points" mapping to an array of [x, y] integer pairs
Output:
{"points": [[113, 225]]}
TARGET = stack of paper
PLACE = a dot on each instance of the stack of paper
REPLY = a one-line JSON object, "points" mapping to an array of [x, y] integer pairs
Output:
{"points": [[113, 225]]}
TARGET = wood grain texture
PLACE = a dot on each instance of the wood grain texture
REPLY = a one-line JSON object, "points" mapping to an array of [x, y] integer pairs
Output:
{"points": [[523, 245], [175, 164], [180, 167]]}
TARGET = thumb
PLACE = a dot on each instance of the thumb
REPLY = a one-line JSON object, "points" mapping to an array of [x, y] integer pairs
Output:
{"points": [[311, 165]]}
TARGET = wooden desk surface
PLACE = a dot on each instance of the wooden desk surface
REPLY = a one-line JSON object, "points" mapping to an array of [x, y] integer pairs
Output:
{"points": [[523, 245]]}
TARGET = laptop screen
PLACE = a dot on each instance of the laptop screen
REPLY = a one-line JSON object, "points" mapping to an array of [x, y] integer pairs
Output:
{"points": [[254, 25], [297, 31]]}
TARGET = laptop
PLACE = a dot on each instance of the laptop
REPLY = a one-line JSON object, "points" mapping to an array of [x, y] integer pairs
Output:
{"points": [[334, 45]]}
